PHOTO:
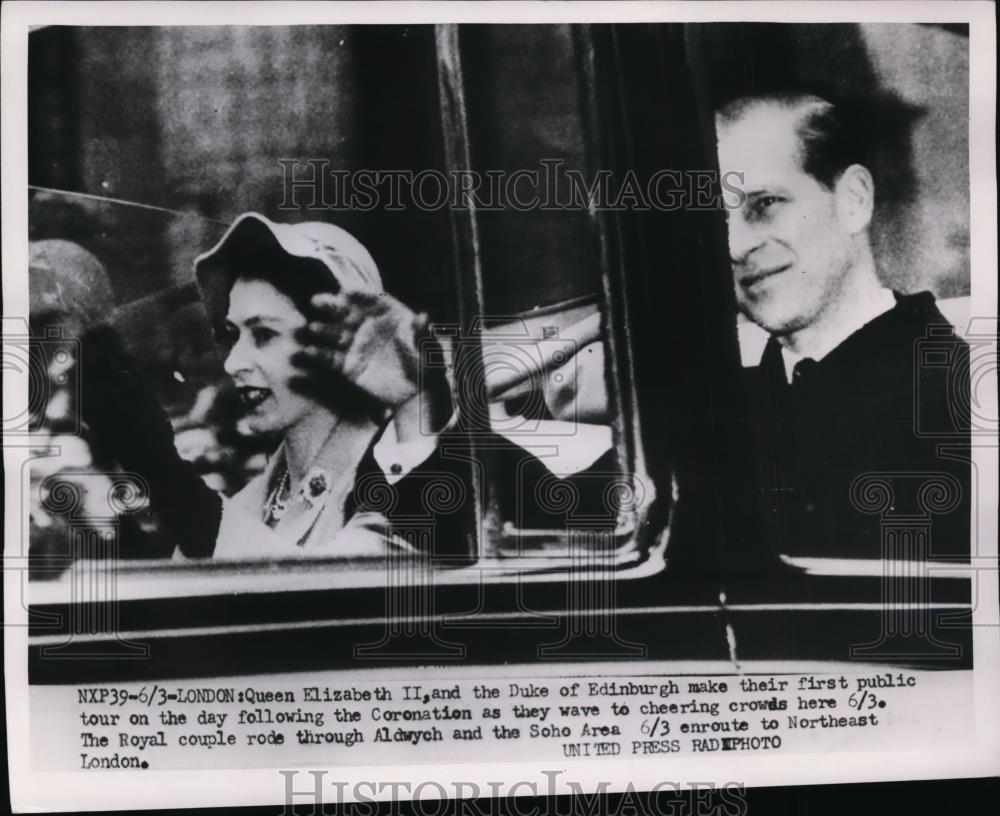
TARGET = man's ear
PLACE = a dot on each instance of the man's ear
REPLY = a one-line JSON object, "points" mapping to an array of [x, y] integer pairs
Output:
{"points": [[855, 193]]}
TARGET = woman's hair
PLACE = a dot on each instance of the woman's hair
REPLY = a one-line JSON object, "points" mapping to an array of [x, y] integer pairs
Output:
{"points": [[297, 278]]}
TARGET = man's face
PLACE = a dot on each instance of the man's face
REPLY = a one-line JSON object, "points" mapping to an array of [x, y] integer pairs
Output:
{"points": [[789, 248]]}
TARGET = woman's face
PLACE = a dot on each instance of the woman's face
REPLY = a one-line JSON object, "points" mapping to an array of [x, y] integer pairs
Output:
{"points": [[261, 324]]}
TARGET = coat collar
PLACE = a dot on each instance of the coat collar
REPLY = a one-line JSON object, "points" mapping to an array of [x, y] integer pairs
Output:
{"points": [[304, 523]]}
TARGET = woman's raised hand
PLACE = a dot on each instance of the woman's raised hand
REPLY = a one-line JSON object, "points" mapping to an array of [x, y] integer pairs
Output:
{"points": [[368, 338]]}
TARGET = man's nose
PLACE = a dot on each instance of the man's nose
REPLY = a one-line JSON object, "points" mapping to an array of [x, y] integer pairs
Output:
{"points": [[743, 239]]}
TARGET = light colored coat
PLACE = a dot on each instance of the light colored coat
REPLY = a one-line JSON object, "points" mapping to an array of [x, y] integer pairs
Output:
{"points": [[313, 525]]}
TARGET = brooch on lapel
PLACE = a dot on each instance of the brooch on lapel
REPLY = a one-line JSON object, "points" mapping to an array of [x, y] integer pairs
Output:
{"points": [[315, 484]]}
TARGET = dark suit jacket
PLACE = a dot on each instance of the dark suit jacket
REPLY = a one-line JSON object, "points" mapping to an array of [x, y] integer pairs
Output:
{"points": [[852, 456]]}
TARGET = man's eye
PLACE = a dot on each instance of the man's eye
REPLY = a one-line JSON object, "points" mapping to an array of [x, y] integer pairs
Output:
{"points": [[262, 335], [759, 207], [230, 335]]}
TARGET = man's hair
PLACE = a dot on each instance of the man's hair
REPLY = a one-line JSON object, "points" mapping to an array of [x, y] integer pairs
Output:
{"points": [[828, 142]]}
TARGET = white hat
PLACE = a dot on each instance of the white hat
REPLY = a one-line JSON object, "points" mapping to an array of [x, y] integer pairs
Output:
{"points": [[349, 263]]}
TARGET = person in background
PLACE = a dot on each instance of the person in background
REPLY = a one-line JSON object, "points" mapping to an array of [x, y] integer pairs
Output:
{"points": [[85, 399]]}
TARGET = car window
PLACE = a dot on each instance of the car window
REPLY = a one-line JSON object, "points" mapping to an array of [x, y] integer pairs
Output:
{"points": [[111, 282]]}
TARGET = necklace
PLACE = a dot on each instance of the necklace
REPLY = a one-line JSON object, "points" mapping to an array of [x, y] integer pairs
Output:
{"points": [[277, 501], [280, 497]]}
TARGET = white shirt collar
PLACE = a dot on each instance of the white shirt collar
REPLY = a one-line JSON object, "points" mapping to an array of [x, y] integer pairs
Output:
{"points": [[882, 302]]}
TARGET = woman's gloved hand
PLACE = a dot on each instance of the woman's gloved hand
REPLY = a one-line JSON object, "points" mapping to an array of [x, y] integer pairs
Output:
{"points": [[369, 338], [376, 343]]}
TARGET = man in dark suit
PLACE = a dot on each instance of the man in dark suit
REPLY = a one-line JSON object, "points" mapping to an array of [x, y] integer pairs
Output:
{"points": [[847, 421]]}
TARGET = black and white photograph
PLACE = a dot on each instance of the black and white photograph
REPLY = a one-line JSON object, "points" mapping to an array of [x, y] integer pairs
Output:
{"points": [[582, 399]]}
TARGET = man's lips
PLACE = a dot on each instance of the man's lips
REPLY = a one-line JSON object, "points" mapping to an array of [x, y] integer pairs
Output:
{"points": [[751, 279], [253, 397]]}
